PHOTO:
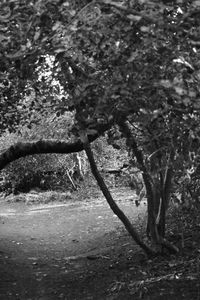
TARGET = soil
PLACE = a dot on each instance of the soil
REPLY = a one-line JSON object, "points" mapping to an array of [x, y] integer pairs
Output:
{"points": [[80, 250]]}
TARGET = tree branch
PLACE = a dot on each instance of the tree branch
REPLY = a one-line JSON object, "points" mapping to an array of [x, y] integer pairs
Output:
{"points": [[19, 150]]}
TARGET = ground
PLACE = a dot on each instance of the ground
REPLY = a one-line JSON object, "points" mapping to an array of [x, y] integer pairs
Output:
{"points": [[80, 250]]}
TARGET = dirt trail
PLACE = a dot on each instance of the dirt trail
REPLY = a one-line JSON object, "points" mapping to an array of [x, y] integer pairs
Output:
{"points": [[46, 249]]}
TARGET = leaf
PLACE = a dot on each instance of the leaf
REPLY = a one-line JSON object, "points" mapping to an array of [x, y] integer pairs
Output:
{"points": [[133, 56], [83, 136], [187, 101], [180, 91], [56, 26], [72, 12], [145, 29], [3, 38], [134, 18], [37, 35], [60, 50], [116, 4], [197, 104], [5, 17], [192, 94], [91, 131], [166, 83], [196, 3]]}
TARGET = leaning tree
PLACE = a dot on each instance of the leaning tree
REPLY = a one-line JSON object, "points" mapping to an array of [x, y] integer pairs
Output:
{"points": [[130, 64]]}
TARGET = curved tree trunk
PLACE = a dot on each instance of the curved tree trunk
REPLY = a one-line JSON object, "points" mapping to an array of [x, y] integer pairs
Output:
{"points": [[113, 204]]}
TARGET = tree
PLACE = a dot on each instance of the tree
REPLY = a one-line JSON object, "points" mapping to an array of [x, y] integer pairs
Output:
{"points": [[134, 64]]}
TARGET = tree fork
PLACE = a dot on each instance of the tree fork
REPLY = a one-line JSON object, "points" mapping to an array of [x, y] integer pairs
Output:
{"points": [[157, 239], [131, 143]]}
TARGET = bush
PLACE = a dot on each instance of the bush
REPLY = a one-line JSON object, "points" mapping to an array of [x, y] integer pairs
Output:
{"points": [[39, 171]]}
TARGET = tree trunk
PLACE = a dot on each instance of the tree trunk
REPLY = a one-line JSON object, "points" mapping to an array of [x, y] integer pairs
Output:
{"points": [[162, 218], [71, 180], [157, 210], [165, 198], [113, 204], [79, 166], [157, 238]]}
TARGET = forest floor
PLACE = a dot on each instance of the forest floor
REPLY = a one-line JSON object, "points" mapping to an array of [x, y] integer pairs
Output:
{"points": [[80, 250]]}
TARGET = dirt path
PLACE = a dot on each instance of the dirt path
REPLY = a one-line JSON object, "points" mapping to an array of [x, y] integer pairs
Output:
{"points": [[59, 251]]}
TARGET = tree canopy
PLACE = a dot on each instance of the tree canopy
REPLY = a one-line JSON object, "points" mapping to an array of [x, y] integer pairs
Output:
{"points": [[139, 58]]}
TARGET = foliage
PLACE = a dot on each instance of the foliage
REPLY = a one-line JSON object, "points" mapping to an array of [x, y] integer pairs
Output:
{"points": [[105, 59], [34, 172], [119, 57]]}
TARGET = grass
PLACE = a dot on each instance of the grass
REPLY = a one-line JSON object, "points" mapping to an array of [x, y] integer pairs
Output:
{"points": [[40, 197]]}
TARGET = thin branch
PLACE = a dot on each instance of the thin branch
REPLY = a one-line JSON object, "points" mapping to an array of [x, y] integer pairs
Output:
{"points": [[129, 11]]}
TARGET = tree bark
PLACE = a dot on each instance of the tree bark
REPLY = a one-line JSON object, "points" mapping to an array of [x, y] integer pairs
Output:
{"points": [[20, 149], [165, 196], [113, 204]]}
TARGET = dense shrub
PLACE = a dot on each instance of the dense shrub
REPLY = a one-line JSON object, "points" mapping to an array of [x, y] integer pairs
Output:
{"points": [[45, 172]]}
